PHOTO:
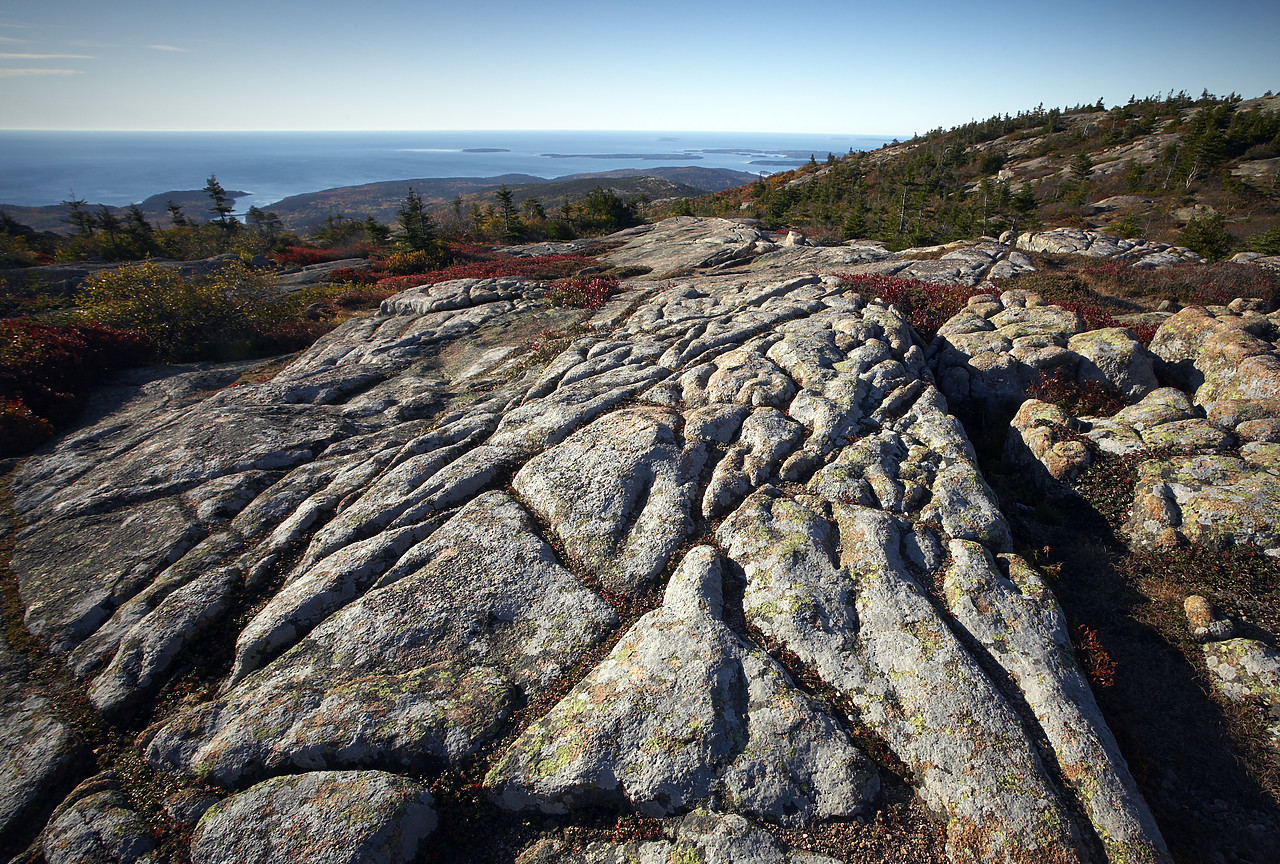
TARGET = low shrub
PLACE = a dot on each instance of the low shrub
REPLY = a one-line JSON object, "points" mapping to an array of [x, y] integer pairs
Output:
{"points": [[587, 293], [926, 305], [1077, 399], [540, 267], [203, 317], [301, 256], [1094, 659], [45, 371]]}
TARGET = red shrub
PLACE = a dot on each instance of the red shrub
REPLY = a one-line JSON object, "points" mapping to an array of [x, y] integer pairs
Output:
{"points": [[358, 275], [1087, 399], [1094, 659], [301, 256], [20, 430], [46, 369], [543, 267], [925, 304], [583, 293]]}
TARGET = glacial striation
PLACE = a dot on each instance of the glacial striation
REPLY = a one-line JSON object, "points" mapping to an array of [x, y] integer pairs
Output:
{"points": [[632, 577]]}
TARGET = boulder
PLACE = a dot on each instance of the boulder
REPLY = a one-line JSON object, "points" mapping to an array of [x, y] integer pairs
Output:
{"points": [[348, 817]]}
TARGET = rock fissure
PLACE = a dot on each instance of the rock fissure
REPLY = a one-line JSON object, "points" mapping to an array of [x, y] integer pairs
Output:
{"points": [[726, 562]]}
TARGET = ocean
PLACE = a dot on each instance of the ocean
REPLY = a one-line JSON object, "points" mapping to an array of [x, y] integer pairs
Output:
{"points": [[119, 168]]}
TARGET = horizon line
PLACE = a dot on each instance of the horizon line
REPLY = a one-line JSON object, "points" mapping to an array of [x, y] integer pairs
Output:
{"points": [[437, 131]]}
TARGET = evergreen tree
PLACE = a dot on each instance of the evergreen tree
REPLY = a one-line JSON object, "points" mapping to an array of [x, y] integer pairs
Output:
{"points": [[222, 203], [417, 232], [175, 213], [79, 217], [137, 226], [264, 222], [378, 232], [110, 225], [507, 211]]}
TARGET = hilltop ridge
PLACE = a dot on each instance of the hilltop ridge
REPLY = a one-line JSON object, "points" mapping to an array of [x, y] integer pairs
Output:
{"points": [[749, 556]]}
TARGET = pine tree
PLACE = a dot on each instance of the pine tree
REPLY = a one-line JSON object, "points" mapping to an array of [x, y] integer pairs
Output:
{"points": [[417, 232], [79, 217], [222, 203], [175, 213], [110, 225], [507, 210]]}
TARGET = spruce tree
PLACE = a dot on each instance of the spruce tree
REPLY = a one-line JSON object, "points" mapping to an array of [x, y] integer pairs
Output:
{"points": [[222, 203], [510, 219], [79, 217], [417, 232]]}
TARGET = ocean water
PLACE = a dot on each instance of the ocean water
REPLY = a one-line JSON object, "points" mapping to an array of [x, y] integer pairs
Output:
{"points": [[119, 168]]}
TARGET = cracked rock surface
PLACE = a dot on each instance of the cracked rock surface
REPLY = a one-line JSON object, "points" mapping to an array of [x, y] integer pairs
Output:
{"points": [[415, 553]]}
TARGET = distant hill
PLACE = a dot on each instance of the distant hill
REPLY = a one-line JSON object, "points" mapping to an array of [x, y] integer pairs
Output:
{"points": [[194, 203], [380, 200], [1201, 171]]}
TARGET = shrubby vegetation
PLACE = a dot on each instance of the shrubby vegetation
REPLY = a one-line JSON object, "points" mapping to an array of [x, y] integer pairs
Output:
{"points": [[948, 185]]}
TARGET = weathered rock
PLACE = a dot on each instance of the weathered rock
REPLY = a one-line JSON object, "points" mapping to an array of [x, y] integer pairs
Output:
{"points": [[1205, 625], [39, 754], [1220, 354], [993, 351], [98, 825], [340, 816], [1043, 441], [1074, 241], [421, 670], [686, 243], [701, 836], [618, 494], [1009, 610], [1209, 500], [1249, 671], [400, 607], [840, 596], [683, 711], [1116, 358]]}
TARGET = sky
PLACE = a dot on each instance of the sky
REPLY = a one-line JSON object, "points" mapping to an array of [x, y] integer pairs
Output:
{"points": [[694, 65]]}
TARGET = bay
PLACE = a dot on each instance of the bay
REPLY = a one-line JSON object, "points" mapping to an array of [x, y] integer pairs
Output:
{"points": [[118, 168]]}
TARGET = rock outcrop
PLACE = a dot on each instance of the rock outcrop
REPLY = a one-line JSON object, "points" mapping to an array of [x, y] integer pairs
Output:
{"points": [[611, 579]]}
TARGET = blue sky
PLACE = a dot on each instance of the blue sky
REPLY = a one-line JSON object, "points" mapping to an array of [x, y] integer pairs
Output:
{"points": [[851, 67]]}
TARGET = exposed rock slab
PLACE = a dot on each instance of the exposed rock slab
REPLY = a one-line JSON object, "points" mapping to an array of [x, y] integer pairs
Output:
{"points": [[352, 817], [684, 711], [98, 825], [841, 597], [38, 752], [395, 606], [421, 670], [997, 347], [618, 494]]}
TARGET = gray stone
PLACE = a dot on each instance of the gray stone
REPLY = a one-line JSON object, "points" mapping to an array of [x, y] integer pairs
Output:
{"points": [[683, 711], [1007, 607], [1114, 357], [839, 595], [422, 670], [617, 494], [98, 825], [345, 817], [701, 836]]}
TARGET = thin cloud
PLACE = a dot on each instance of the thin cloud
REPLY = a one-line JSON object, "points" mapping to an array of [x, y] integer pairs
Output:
{"points": [[29, 73], [46, 57], [168, 48], [12, 40]]}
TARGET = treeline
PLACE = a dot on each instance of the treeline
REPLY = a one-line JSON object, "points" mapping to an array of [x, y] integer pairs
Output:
{"points": [[103, 233], [949, 185]]}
